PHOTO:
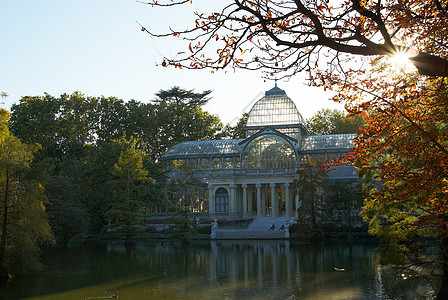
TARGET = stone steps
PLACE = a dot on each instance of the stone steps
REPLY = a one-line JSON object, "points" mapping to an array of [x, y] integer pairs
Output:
{"points": [[259, 235], [259, 228]]}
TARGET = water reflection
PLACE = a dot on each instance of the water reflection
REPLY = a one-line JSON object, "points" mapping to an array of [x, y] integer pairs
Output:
{"points": [[305, 271], [216, 270]]}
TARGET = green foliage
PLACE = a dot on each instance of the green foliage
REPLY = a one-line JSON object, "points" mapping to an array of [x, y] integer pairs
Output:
{"points": [[398, 224], [98, 168], [24, 224], [327, 121], [310, 186], [181, 118], [83, 160], [183, 228], [130, 186], [185, 190], [346, 200], [67, 212], [181, 97], [236, 132], [64, 126]]}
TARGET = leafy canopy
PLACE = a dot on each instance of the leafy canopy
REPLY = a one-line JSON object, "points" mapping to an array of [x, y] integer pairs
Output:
{"points": [[285, 37], [327, 121], [24, 224]]}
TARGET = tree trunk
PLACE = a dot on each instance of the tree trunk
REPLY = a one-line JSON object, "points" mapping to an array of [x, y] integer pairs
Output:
{"points": [[443, 291], [4, 233]]}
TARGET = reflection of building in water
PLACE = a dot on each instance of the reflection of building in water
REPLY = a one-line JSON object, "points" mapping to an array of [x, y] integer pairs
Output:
{"points": [[252, 177], [292, 269], [256, 269], [247, 261]]}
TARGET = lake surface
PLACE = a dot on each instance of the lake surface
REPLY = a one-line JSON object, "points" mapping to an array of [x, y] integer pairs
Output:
{"points": [[217, 270]]}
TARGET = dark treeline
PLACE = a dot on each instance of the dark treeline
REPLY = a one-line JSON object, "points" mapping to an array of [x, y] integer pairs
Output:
{"points": [[85, 139], [76, 165]]}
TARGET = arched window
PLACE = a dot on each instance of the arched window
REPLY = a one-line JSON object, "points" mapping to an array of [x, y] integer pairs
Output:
{"points": [[222, 200], [269, 151]]}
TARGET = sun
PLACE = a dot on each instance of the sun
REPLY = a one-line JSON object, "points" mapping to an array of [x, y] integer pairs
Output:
{"points": [[400, 58], [400, 61]]}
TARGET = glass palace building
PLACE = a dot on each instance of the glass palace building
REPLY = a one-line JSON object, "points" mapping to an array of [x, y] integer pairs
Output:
{"points": [[252, 177]]}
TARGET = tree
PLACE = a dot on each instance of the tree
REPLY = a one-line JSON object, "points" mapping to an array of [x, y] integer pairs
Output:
{"points": [[180, 118], [24, 224], [310, 186], [78, 136], [178, 96], [61, 124], [346, 201], [34, 120], [184, 189], [237, 131], [403, 152], [327, 121], [63, 127], [130, 186], [98, 169], [284, 38]]}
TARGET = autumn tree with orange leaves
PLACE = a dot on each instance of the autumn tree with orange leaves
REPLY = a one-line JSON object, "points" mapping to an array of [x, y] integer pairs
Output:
{"points": [[285, 37], [403, 154], [345, 46]]}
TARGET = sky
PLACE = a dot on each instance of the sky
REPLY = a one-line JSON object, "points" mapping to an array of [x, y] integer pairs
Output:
{"points": [[96, 47]]}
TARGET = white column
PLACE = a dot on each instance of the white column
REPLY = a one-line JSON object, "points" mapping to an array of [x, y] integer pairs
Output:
{"points": [[244, 199], [233, 207], [211, 202], [259, 212], [274, 205], [298, 204], [287, 200]]}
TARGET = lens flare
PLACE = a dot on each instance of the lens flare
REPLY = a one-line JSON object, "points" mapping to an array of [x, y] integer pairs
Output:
{"points": [[400, 60]]}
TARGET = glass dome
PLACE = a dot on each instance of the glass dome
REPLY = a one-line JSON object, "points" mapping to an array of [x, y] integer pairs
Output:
{"points": [[274, 109]]}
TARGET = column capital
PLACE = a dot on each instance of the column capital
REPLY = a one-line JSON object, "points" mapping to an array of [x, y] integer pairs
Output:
{"points": [[287, 184], [232, 186], [244, 185], [272, 185], [258, 185], [210, 186]]}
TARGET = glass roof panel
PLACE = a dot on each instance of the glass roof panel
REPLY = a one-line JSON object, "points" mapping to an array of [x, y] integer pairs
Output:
{"points": [[315, 142], [201, 148]]}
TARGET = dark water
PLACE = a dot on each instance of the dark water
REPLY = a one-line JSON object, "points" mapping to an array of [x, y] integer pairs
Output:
{"points": [[217, 270]]}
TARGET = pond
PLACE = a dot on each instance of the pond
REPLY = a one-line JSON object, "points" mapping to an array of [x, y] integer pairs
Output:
{"points": [[247, 270]]}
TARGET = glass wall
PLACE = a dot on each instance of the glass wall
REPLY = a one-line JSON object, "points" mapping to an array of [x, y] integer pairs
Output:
{"points": [[269, 152], [315, 142]]}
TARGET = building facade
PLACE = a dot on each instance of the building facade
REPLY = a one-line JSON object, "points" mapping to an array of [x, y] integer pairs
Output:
{"points": [[252, 177]]}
